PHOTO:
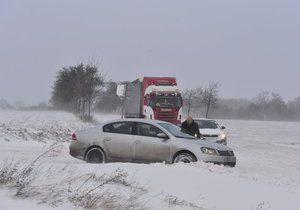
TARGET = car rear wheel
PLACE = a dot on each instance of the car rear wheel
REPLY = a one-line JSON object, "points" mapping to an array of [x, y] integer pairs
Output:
{"points": [[184, 158], [95, 155]]}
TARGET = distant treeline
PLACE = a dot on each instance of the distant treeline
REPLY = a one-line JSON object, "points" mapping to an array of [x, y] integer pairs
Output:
{"points": [[82, 89], [20, 105], [106, 101], [266, 106]]}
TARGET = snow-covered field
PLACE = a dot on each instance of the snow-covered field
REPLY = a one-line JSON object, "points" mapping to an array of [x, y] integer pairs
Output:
{"points": [[267, 175]]}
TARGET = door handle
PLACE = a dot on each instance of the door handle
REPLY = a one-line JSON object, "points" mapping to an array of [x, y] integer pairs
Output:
{"points": [[137, 141], [107, 139]]}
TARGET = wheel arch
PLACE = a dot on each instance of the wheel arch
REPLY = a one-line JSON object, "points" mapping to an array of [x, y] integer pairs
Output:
{"points": [[183, 151], [94, 147]]}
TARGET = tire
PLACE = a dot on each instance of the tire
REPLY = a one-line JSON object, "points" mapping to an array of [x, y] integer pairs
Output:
{"points": [[232, 165], [95, 155], [184, 158]]}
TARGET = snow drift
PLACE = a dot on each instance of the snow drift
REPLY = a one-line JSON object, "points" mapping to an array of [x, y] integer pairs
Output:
{"points": [[266, 176]]}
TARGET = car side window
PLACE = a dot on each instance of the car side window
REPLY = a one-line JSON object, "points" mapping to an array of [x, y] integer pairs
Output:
{"points": [[144, 129], [119, 127]]}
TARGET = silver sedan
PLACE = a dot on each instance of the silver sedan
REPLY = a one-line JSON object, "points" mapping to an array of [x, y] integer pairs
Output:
{"points": [[146, 141]]}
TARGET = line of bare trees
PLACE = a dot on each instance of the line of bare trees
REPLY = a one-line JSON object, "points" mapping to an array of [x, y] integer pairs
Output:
{"points": [[82, 87], [204, 102], [265, 106], [20, 105], [199, 98]]}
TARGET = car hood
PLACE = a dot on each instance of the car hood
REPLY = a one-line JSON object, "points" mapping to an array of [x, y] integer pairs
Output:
{"points": [[207, 131], [203, 143]]}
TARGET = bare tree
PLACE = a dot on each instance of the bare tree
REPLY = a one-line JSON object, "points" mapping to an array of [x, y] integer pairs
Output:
{"points": [[191, 97], [19, 104], [4, 104], [108, 100], [294, 108], [93, 82], [263, 102], [198, 99], [210, 96]]}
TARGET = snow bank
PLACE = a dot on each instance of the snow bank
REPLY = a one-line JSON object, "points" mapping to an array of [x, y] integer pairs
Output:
{"points": [[266, 176]]}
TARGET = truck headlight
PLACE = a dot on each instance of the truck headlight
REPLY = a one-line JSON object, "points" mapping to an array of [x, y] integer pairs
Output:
{"points": [[222, 136], [209, 151]]}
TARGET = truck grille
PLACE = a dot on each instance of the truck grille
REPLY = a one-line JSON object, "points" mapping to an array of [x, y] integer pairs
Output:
{"points": [[167, 116], [225, 153]]}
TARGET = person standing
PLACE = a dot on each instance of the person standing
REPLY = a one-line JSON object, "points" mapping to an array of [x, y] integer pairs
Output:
{"points": [[192, 127]]}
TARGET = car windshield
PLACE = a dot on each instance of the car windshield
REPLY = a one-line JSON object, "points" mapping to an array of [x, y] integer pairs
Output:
{"points": [[207, 124], [176, 131], [165, 101]]}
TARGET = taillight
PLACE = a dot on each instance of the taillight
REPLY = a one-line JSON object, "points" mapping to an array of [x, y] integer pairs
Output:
{"points": [[74, 137]]}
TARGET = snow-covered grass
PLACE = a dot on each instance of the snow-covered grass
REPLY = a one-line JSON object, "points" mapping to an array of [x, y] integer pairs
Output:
{"points": [[266, 175], [57, 186]]}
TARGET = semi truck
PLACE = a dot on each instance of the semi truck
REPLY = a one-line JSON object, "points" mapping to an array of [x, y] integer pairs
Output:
{"points": [[156, 98]]}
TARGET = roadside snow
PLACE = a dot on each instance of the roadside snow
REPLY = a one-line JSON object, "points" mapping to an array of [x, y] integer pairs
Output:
{"points": [[7, 202], [266, 176]]}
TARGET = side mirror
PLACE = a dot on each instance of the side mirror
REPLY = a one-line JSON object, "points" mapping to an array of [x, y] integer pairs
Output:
{"points": [[121, 89], [162, 136], [222, 127]]}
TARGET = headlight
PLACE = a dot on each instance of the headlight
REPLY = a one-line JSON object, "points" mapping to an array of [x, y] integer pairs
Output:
{"points": [[222, 136], [209, 151]]}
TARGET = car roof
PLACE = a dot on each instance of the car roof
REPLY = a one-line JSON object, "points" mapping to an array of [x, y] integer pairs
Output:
{"points": [[135, 120], [203, 119]]}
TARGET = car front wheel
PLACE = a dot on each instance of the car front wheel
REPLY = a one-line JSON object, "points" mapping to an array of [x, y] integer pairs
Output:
{"points": [[95, 155], [184, 158]]}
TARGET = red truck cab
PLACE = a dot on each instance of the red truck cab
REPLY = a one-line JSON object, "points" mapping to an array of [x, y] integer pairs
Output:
{"points": [[156, 98]]}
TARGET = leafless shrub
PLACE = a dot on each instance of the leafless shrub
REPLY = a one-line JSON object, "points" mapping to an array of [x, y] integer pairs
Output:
{"points": [[174, 201], [263, 206], [86, 118], [20, 174], [90, 191], [8, 171], [41, 134], [100, 195]]}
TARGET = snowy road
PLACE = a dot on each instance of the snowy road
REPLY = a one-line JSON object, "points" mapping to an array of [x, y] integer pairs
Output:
{"points": [[266, 175]]}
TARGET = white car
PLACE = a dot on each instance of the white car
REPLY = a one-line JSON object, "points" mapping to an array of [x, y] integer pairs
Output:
{"points": [[211, 130]]}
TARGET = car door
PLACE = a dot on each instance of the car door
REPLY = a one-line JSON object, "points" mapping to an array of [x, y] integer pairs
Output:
{"points": [[147, 146], [118, 140]]}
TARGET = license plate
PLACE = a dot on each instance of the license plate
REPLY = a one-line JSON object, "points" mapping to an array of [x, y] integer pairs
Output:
{"points": [[166, 110], [229, 159]]}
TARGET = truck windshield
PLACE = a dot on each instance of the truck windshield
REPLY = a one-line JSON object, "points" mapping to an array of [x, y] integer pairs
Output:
{"points": [[165, 101]]}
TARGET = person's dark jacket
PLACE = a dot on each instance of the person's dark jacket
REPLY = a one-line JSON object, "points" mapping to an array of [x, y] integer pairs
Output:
{"points": [[193, 128]]}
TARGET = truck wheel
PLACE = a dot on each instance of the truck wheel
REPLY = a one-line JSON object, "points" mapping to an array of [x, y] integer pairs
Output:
{"points": [[95, 155], [184, 158]]}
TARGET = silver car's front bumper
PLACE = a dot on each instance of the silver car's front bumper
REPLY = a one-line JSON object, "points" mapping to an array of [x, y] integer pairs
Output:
{"points": [[216, 140], [217, 159], [224, 160]]}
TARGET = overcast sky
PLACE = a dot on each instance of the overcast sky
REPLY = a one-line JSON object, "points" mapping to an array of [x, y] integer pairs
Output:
{"points": [[248, 45]]}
